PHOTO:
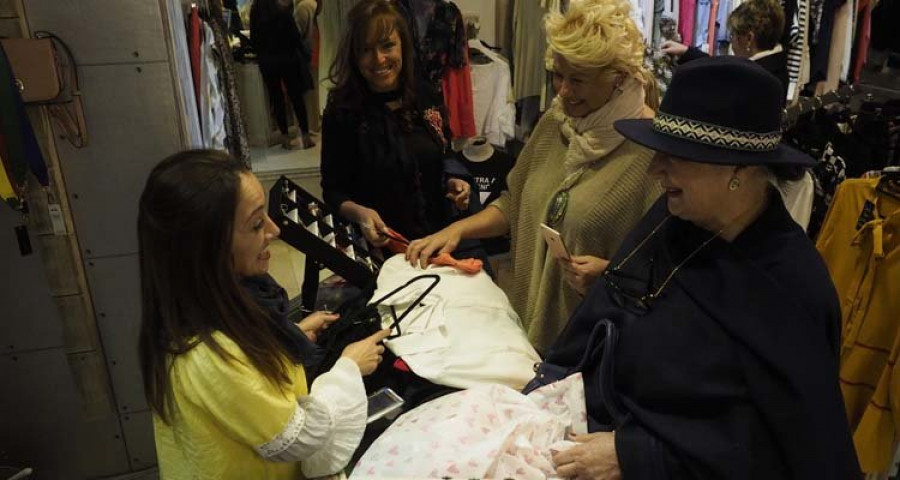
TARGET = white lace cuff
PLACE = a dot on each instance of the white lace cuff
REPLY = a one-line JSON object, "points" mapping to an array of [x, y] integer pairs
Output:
{"points": [[326, 426]]}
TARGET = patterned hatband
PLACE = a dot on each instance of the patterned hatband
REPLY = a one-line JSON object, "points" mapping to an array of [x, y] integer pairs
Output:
{"points": [[715, 135]]}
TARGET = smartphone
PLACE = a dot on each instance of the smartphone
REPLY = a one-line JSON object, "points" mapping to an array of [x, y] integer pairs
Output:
{"points": [[555, 242], [382, 403]]}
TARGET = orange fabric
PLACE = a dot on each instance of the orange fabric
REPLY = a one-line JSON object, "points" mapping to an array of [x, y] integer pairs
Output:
{"points": [[466, 265], [396, 243]]}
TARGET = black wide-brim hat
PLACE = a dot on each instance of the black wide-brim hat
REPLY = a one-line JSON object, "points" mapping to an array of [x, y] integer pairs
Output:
{"points": [[722, 110]]}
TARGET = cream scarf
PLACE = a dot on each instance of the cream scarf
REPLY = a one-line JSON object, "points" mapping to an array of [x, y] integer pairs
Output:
{"points": [[593, 137]]}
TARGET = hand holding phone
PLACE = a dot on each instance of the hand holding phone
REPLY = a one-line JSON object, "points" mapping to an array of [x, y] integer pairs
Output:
{"points": [[555, 243]]}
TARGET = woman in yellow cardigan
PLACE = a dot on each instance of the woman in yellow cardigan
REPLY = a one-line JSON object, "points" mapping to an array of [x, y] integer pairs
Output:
{"points": [[576, 173], [228, 393]]}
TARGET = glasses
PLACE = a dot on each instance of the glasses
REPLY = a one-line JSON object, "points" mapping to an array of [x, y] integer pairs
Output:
{"points": [[632, 293]]}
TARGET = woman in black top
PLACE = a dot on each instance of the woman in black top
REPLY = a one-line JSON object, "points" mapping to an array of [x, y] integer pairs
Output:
{"points": [[386, 158], [283, 57]]}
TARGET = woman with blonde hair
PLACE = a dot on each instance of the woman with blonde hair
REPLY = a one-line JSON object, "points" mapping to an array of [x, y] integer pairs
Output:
{"points": [[576, 173]]}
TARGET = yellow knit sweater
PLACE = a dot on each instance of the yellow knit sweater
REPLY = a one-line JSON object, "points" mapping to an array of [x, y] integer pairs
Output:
{"points": [[603, 206]]}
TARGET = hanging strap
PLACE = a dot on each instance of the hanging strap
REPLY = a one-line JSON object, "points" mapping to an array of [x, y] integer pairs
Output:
{"points": [[68, 113]]}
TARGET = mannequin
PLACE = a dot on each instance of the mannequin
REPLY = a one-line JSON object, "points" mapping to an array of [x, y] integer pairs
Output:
{"points": [[478, 150], [489, 168]]}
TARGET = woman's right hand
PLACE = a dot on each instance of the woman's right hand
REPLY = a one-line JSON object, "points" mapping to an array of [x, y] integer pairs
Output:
{"points": [[673, 48], [367, 353], [444, 241], [369, 221]]}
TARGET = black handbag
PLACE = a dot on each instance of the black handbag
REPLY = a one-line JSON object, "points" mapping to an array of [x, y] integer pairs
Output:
{"points": [[600, 346], [360, 319]]}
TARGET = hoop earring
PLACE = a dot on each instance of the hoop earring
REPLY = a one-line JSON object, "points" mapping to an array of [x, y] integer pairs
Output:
{"points": [[734, 184]]}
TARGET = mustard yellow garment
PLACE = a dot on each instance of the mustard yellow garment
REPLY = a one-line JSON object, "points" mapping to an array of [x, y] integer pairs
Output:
{"points": [[6, 188], [865, 267], [224, 410]]}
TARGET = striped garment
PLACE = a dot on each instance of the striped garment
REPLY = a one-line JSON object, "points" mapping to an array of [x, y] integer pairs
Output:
{"points": [[798, 50]]}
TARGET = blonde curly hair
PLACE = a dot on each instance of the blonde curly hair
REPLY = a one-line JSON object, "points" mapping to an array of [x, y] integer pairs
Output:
{"points": [[599, 34]]}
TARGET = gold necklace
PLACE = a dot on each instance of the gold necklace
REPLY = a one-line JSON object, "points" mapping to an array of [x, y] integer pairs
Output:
{"points": [[643, 301]]}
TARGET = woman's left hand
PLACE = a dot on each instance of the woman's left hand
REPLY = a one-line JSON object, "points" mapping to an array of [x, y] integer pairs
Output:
{"points": [[582, 270], [458, 190], [313, 325], [593, 458]]}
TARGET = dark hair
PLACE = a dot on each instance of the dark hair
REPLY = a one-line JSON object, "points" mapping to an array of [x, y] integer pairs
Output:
{"points": [[765, 18], [349, 85], [189, 288]]}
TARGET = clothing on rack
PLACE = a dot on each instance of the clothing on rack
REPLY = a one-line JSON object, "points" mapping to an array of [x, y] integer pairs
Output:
{"points": [[711, 33], [443, 46], [796, 45], [529, 47], [798, 197], [194, 39], [686, 16], [820, 36], [860, 243], [828, 173], [211, 99], [863, 36], [494, 111], [445, 62], [722, 40], [186, 97], [648, 7], [701, 30], [236, 139], [459, 101], [332, 24]]}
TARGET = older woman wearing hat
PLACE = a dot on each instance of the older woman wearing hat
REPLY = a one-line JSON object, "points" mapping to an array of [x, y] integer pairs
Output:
{"points": [[718, 324]]}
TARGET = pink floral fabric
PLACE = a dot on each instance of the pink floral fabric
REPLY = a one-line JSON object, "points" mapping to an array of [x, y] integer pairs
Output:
{"points": [[485, 432]]}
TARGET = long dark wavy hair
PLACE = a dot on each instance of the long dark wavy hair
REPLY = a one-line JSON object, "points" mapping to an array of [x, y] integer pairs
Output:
{"points": [[189, 288], [350, 87]]}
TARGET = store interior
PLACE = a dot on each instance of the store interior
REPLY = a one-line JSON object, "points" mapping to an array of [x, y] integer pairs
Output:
{"points": [[143, 80]]}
